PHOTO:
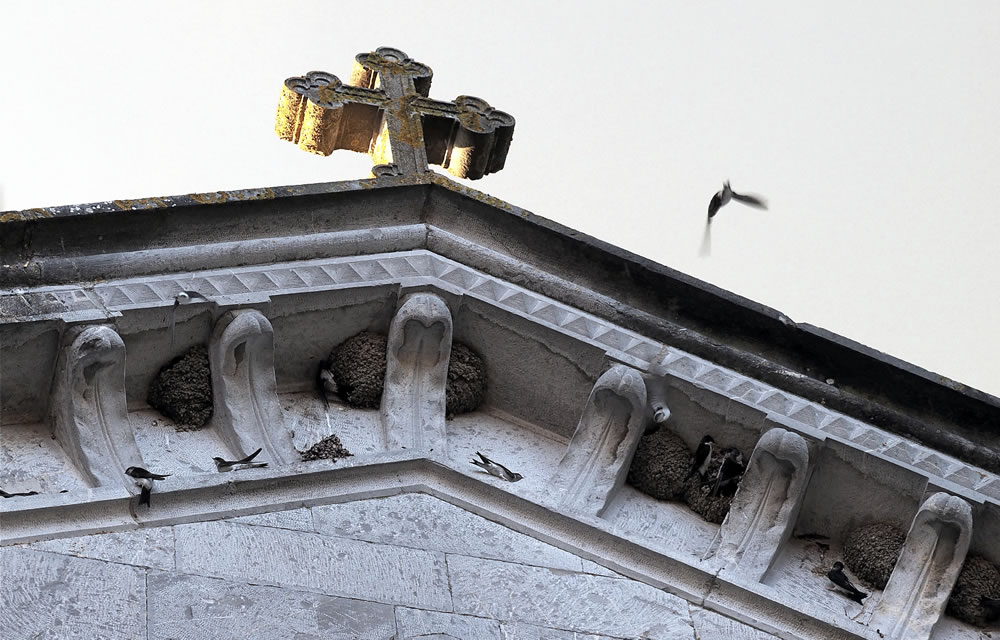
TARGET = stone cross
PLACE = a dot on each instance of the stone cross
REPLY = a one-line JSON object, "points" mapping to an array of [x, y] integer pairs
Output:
{"points": [[384, 111]]}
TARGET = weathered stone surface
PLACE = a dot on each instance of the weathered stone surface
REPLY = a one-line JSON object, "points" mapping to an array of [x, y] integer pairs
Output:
{"points": [[927, 569], [598, 457], [524, 631], [197, 608], [145, 547], [423, 522], [296, 519], [571, 601], [51, 596], [709, 625], [334, 566], [420, 623]]}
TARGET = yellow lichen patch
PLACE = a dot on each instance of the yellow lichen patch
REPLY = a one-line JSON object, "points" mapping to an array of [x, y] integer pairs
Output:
{"points": [[141, 203], [288, 120], [27, 214], [320, 127], [218, 197]]}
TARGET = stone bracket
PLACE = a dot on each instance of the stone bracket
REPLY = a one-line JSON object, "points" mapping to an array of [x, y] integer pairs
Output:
{"points": [[418, 353], [926, 571], [246, 411], [599, 454], [88, 411], [763, 512]]}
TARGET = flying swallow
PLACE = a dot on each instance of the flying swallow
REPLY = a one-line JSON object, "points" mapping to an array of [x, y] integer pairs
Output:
{"points": [[144, 480], [4, 494], [730, 472], [496, 469], [247, 463], [839, 578], [720, 199], [702, 458], [188, 296]]}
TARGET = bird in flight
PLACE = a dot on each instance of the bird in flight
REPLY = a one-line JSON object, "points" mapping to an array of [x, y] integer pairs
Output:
{"points": [[719, 200]]}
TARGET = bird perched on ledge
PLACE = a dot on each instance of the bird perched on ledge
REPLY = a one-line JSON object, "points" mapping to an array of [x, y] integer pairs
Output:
{"points": [[223, 465], [144, 480], [496, 469], [839, 578]]}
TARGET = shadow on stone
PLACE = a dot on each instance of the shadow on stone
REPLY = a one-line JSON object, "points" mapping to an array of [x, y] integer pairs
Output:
{"points": [[182, 390]]}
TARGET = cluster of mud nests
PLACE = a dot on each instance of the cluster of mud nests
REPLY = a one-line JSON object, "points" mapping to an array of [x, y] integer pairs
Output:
{"points": [[976, 596], [660, 465], [182, 390], [329, 448], [871, 551], [358, 365]]}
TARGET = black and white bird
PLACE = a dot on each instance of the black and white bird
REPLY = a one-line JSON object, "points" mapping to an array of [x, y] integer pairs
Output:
{"points": [[702, 458], [719, 200], [188, 296], [144, 480], [839, 578], [223, 465], [496, 469], [729, 473]]}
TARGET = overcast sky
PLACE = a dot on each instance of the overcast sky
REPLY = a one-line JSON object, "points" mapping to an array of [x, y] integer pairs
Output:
{"points": [[871, 128]]}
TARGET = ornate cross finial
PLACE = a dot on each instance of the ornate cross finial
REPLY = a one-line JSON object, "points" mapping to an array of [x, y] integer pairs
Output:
{"points": [[384, 111]]}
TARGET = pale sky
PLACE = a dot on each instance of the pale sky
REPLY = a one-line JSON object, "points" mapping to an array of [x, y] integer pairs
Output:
{"points": [[871, 128]]}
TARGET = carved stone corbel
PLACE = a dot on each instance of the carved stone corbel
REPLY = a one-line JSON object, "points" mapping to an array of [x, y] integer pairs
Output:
{"points": [[599, 454], [766, 505], [927, 569], [246, 411], [88, 411], [418, 352]]}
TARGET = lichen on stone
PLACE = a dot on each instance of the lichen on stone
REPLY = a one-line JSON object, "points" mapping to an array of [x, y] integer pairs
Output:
{"points": [[871, 551], [660, 463], [329, 448], [182, 390], [358, 367], [979, 577]]}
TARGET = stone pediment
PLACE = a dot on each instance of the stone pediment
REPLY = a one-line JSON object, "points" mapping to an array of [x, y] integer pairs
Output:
{"points": [[580, 357]]}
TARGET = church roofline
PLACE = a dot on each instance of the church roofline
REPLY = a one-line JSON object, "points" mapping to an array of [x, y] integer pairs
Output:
{"points": [[463, 224]]}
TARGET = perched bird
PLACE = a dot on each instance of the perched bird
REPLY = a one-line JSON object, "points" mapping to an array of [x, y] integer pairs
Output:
{"points": [[719, 200], [144, 480], [702, 458], [991, 608], [188, 296], [496, 469], [839, 578], [730, 472], [247, 462], [4, 494]]}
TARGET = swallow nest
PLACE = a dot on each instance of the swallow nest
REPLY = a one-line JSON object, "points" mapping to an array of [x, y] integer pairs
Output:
{"points": [[979, 577], [329, 448], [662, 460], [358, 366], [182, 390], [871, 551]]}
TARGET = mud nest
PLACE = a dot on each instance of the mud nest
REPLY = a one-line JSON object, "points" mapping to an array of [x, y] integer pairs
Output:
{"points": [[698, 492], [329, 448], [182, 390], [466, 380], [979, 577], [871, 551], [358, 367], [661, 461]]}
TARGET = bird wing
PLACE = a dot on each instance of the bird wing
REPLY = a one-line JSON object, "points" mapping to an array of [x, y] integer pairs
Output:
{"points": [[249, 457], [753, 201], [715, 204], [485, 459]]}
